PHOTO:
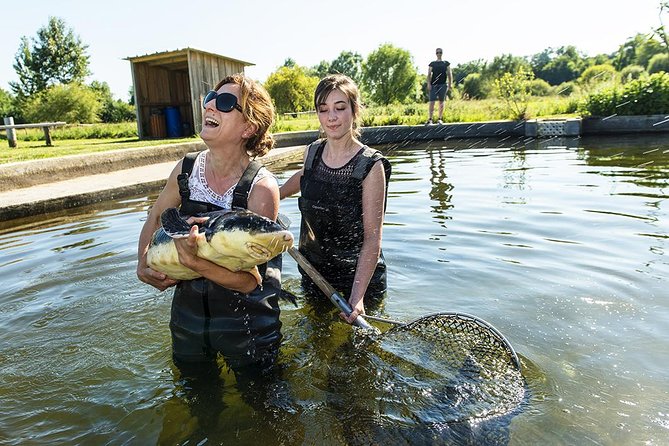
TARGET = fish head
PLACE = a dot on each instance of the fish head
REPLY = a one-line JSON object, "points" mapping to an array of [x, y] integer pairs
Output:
{"points": [[248, 236]]}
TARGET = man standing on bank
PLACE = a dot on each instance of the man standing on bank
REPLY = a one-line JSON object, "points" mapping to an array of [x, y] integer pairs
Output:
{"points": [[439, 81]]}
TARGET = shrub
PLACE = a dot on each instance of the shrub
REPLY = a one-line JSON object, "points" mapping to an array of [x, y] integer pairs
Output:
{"points": [[117, 111], [474, 86], [658, 63], [72, 103], [597, 74], [567, 89], [410, 110], [643, 96], [631, 72], [539, 87], [514, 89]]}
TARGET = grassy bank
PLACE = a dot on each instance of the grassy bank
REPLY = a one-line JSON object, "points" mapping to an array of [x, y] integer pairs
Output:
{"points": [[89, 138], [32, 150]]}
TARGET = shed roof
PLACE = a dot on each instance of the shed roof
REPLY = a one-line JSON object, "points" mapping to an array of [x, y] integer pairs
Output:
{"points": [[178, 58]]}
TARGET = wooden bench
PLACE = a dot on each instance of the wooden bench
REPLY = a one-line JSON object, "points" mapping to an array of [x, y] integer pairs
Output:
{"points": [[11, 134]]}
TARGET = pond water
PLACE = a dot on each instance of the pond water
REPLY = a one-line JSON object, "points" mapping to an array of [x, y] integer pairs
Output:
{"points": [[560, 244]]}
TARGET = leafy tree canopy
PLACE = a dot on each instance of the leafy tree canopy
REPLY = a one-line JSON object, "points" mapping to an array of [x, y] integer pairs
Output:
{"points": [[55, 56], [556, 66], [5, 103], [389, 75], [463, 70], [291, 89], [348, 63]]}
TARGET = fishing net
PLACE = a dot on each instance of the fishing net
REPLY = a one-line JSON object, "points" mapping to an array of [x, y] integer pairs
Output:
{"points": [[443, 369]]}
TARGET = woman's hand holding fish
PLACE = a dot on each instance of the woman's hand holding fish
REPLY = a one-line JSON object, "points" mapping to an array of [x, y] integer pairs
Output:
{"points": [[187, 248], [154, 278]]}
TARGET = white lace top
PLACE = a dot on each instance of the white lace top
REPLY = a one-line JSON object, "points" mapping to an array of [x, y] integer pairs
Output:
{"points": [[200, 190]]}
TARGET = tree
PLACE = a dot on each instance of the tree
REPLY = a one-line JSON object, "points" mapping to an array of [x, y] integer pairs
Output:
{"points": [[564, 64], [321, 70], [56, 56], [348, 63], [291, 89], [6, 103], [463, 70], [637, 50], [661, 31], [389, 75], [112, 110], [506, 63]]}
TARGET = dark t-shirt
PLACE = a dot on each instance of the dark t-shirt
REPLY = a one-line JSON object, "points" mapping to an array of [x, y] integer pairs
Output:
{"points": [[439, 68]]}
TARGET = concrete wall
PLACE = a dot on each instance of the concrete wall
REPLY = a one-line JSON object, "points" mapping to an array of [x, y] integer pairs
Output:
{"points": [[290, 145], [625, 124]]}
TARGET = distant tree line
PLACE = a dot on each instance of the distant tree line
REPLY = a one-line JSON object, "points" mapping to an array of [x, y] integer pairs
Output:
{"points": [[51, 69]]}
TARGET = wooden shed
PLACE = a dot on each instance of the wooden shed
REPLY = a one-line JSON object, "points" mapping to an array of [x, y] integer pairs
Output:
{"points": [[169, 87]]}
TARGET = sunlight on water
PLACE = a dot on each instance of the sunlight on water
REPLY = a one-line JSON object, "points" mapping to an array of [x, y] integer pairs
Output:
{"points": [[560, 244]]}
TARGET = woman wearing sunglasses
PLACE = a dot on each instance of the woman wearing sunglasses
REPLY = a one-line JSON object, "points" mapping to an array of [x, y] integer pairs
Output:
{"points": [[343, 186], [224, 312]]}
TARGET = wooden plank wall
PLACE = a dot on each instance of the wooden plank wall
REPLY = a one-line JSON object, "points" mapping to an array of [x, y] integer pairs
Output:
{"points": [[156, 88], [205, 72], [177, 84]]}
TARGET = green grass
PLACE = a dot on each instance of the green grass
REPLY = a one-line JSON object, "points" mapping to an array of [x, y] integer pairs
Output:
{"points": [[89, 138], [31, 150]]}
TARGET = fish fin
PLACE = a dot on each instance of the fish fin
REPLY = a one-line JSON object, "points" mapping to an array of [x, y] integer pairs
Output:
{"points": [[173, 224], [287, 295]]}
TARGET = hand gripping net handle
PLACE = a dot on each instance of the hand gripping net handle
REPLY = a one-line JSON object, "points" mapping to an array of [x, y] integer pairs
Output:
{"points": [[323, 284]]}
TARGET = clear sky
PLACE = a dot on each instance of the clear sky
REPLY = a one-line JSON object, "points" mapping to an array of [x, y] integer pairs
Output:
{"points": [[308, 31]]}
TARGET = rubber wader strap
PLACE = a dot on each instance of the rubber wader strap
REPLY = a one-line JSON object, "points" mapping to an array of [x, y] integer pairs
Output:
{"points": [[182, 178], [314, 148], [365, 163], [240, 196]]}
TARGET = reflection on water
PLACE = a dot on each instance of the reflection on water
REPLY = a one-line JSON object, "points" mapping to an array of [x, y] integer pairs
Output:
{"points": [[560, 244]]}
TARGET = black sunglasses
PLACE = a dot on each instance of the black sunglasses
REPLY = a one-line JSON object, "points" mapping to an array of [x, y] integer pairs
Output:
{"points": [[225, 102]]}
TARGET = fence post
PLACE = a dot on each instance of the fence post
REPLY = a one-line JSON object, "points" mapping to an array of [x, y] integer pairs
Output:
{"points": [[47, 135], [11, 132]]}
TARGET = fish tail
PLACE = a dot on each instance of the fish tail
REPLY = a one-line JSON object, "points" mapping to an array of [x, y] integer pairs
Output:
{"points": [[173, 224]]}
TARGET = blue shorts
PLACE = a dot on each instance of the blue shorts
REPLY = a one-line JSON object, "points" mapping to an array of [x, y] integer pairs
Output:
{"points": [[438, 91]]}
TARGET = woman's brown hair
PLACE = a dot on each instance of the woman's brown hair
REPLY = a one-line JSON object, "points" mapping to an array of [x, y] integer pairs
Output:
{"points": [[346, 85], [258, 109]]}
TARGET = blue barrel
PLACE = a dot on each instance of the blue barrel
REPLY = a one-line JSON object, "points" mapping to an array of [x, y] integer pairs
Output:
{"points": [[173, 122]]}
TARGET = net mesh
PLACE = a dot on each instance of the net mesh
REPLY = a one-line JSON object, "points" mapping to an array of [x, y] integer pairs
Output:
{"points": [[444, 369]]}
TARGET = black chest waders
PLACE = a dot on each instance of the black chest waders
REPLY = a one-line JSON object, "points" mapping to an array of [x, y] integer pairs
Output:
{"points": [[207, 318], [331, 233]]}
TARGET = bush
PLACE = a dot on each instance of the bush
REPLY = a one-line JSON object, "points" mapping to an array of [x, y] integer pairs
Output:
{"points": [[597, 74], [567, 89], [72, 103], [643, 96], [474, 87], [514, 89], [117, 111], [631, 72], [658, 63], [539, 87]]}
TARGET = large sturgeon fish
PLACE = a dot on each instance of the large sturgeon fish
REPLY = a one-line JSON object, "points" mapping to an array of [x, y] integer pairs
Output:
{"points": [[235, 239]]}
